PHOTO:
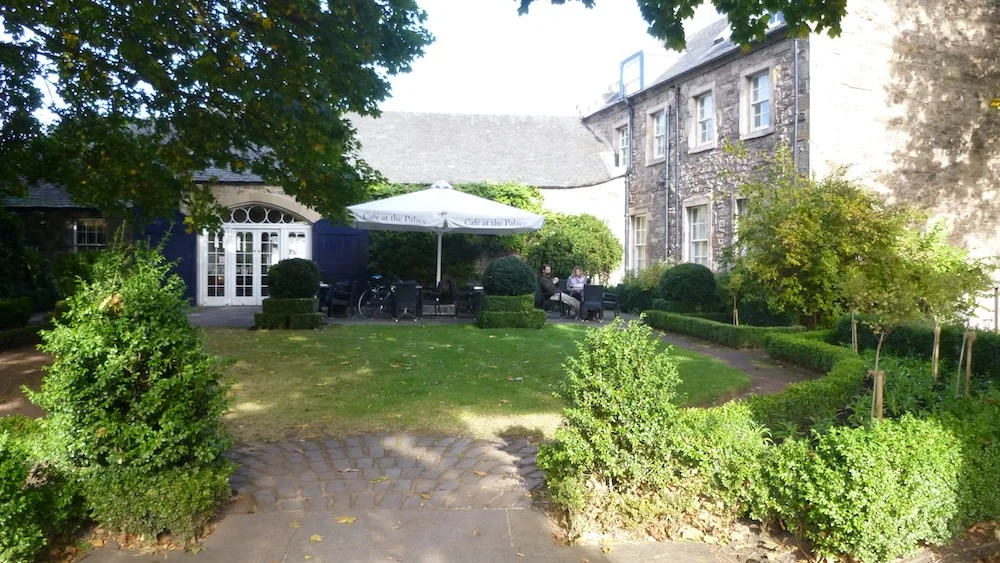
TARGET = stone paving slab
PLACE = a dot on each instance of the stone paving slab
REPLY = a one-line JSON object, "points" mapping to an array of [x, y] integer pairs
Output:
{"points": [[384, 472]]}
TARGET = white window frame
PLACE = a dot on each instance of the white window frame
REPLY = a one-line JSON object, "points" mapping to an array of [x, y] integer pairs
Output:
{"points": [[701, 116], [660, 127], [747, 101], [689, 241], [640, 238], [624, 146], [759, 101], [86, 226], [705, 118]]}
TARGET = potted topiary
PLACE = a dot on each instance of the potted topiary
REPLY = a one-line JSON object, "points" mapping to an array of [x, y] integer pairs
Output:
{"points": [[509, 302], [292, 286]]}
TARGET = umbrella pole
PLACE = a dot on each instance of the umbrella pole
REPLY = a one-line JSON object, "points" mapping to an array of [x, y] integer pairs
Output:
{"points": [[439, 262]]}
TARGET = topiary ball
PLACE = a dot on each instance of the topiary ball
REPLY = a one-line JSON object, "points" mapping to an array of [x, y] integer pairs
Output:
{"points": [[691, 286], [509, 276], [294, 278]]}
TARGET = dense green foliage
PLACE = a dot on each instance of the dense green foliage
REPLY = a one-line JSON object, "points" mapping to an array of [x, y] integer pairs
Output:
{"points": [[247, 87], [568, 241], [293, 278], [410, 256], [294, 321], [726, 334], [296, 306], [917, 339], [640, 288], [748, 21], [689, 288], [15, 312], [509, 276], [806, 349], [531, 318], [26, 272], [132, 395], [72, 269], [508, 302], [38, 502]]}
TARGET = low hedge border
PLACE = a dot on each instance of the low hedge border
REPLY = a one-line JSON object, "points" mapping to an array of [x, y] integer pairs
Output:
{"points": [[300, 321], [290, 306], [917, 340], [726, 334], [508, 303], [533, 318], [805, 349], [14, 313]]}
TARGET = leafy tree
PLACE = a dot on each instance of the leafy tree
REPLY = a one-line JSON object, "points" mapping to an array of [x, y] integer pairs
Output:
{"points": [[582, 240], [747, 18], [799, 236], [951, 283], [147, 93]]}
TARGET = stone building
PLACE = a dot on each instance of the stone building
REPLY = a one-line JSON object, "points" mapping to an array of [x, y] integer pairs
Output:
{"points": [[901, 98]]}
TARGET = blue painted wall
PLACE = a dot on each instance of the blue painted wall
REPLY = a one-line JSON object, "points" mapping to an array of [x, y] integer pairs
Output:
{"points": [[181, 247], [341, 252]]}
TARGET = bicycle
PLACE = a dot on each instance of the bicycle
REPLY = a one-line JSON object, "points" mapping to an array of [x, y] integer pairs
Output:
{"points": [[377, 299]]}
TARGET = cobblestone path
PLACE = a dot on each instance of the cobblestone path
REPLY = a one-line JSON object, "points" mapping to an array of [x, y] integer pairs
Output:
{"points": [[385, 472]]}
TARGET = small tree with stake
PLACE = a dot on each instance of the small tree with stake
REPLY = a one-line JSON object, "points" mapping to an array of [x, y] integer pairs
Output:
{"points": [[886, 288]]}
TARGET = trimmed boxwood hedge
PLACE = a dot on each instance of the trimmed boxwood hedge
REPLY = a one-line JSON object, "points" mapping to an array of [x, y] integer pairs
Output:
{"points": [[290, 306], [726, 334], [532, 318], [298, 321], [804, 349], [508, 303], [917, 340]]}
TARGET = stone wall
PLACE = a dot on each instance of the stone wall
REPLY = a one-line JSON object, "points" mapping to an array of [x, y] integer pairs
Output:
{"points": [[903, 100], [701, 169]]}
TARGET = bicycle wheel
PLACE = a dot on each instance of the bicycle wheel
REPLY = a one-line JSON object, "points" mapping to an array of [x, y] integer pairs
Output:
{"points": [[366, 304]]}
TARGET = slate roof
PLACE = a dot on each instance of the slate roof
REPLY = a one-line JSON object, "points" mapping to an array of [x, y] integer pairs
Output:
{"points": [[43, 195], [702, 49], [543, 151]]}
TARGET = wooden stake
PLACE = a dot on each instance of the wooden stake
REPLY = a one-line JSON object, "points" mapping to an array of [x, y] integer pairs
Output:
{"points": [[961, 356], [937, 351], [968, 364], [854, 333], [879, 390]]}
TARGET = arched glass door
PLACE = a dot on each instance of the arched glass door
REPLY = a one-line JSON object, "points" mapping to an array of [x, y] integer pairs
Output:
{"points": [[234, 263]]}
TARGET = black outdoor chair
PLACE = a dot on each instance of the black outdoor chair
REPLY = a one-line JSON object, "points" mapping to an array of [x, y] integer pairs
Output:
{"points": [[407, 301], [358, 289], [593, 300], [339, 295], [612, 300], [467, 301], [433, 297]]}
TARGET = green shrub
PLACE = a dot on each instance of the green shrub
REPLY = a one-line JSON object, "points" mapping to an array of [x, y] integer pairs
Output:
{"points": [[567, 241], [300, 306], [691, 287], [875, 493], [305, 321], [38, 502], [509, 276], [619, 394], [71, 269], [640, 288], [726, 334], [803, 404], [270, 321], [14, 313], [132, 388], [532, 318], [181, 499], [508, 303], [918, 339], [293, 278], [804, 350]]}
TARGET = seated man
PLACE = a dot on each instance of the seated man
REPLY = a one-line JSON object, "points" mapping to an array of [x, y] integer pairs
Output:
{"points": [[551, 292]]}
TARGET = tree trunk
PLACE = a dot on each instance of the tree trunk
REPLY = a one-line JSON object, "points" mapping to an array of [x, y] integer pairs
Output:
{"points": [[879, 379], [854, 333], [936, 353], [968, 364], [736, 312], [961, 356]]}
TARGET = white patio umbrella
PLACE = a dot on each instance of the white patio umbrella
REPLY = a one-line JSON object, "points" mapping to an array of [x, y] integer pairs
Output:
{"points": [[441, 209]]}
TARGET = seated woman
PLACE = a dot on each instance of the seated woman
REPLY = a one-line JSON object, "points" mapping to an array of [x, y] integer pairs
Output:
{"points": [[576, 282]]}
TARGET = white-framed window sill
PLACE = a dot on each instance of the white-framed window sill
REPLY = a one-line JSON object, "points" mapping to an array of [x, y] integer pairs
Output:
{"points": [[757, 134], [659, 160], [702, 148]]}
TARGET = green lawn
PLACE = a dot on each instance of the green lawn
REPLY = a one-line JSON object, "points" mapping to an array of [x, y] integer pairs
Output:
{"points": [[446, 379]]}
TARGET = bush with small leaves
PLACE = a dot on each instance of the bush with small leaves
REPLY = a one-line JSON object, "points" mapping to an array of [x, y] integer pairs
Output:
{"points": [[293, 278], [509, 276], [132, 390], [691, 287]]}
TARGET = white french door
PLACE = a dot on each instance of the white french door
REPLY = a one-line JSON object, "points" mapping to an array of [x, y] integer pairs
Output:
{"points": [[234, 263]]}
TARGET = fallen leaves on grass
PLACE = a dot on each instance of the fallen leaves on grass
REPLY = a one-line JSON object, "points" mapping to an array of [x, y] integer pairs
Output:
{"points": [[346, 519], [315, 538]]}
